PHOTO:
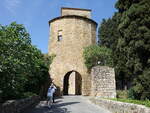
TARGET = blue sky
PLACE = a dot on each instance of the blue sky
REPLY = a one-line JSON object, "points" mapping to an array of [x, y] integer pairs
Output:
{"points": [[35, 14]]}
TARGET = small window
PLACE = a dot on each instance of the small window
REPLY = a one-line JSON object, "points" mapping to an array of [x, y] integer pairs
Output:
{"points": [[85, 16], [59, 35]]}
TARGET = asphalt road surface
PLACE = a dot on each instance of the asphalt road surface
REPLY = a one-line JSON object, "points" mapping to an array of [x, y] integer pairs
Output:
{"points": [[68, 104]]}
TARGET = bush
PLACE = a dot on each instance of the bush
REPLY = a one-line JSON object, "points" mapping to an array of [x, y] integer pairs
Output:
{"points": [[23, 68], [29, 94], [131, 93], [123, 94], [97, 55], [141, 88]]}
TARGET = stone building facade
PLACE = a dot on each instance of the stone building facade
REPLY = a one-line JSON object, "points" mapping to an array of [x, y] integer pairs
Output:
{"points": [[69, 35]]}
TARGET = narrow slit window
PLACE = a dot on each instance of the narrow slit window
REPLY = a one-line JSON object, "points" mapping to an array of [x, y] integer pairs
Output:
{"points": [[60, 35]]}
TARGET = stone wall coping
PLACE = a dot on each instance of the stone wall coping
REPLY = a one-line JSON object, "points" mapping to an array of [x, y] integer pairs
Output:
{"points": [[119, 102], [73, 16], [76, 9], [98, 66], [17, 106], [120, 107]]}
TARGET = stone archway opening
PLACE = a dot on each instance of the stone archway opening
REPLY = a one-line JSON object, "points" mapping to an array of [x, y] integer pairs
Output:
{"points": [[72, 84]]}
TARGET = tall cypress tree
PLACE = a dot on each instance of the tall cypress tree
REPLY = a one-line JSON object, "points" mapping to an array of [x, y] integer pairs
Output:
{"points": [[108, 33], [109, 36], [134, 43]]}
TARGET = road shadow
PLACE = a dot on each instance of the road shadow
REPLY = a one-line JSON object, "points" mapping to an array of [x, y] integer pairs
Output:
{"points": [[58, 101], [56, 108], [45, 109], [65, 104]]}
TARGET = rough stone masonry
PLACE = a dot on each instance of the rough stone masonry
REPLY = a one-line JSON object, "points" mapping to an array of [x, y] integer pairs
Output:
{"points": [[103, 82]]}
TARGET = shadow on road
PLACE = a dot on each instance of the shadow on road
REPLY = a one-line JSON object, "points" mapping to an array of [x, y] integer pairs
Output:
{"points": [[65, 104], [56, 108]]}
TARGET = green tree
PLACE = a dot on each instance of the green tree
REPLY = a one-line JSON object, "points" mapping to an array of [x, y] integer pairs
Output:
{"points": [[13, 42], [23, 67], [104, 33], [134, 42], [96, 55], [108, 33], [141, 86], [46, 80], [109, 36]]}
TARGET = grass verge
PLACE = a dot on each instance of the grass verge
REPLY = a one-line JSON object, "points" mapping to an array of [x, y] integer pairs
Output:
{"points": [[140, 102]]}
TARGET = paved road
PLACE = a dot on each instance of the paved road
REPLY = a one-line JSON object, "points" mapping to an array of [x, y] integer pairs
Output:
{"points": [[69, 104]]}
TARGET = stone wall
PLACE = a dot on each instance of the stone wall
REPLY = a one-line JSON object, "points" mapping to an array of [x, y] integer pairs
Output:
{"points": [[120, 107], [17, 106], [103, 82]]}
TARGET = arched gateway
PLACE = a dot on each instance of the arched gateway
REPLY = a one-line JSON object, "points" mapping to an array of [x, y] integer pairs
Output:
{"points": [[72, 83], [69, 35]]}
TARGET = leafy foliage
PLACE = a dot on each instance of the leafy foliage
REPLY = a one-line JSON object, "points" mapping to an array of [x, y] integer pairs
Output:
{"points": [[135, 36], [13, 44], [28, 94], [22, 66], [108, 33], [96, 55], [109, 36], [123, 94], [127, 33], [141, 88]]}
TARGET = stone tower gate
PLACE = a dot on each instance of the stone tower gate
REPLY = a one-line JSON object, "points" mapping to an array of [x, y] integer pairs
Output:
{"points": [[69, 34]]}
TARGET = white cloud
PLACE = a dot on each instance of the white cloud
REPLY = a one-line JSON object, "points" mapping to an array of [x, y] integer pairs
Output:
{"points": [[12, 5]]}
